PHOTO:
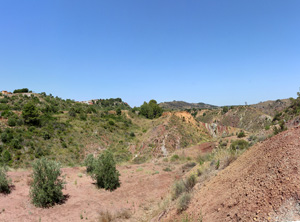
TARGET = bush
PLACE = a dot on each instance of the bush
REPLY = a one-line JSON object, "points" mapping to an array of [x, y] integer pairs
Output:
{"points": [[225, 109], [151, 110], [6, 156], [241, 134], [4, 182], [178, 189], [46, 188], [190, 182], [183, 186], [12, 121], [89, 162], [174, 158], [31, 114], [24, 90], [105, 172], [239, 145], [183, 202], [203, 158], [118, 111], [111, 122]]}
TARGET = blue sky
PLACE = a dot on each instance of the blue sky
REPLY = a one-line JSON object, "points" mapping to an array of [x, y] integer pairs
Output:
{"points": [[212, 51]]}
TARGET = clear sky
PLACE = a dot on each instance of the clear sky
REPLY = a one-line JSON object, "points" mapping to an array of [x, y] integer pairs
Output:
{"points": [[214, 51]]}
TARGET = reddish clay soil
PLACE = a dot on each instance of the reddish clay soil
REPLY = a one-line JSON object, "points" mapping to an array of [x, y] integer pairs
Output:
{"points": [[197, 149], [261, 185], [142, 187]]}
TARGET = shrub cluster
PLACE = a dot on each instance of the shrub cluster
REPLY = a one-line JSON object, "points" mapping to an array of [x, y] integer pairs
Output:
{"points": [[151, 110], [24, 90], [181, 190], [183, 186]]}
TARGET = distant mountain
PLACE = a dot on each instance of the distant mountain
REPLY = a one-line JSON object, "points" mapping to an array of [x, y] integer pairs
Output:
{"points": [[181, 105]]}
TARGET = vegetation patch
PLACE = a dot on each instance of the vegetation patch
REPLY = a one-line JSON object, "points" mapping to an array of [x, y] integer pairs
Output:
{"points": [[5, 183], [103, 170], [47, 184]]}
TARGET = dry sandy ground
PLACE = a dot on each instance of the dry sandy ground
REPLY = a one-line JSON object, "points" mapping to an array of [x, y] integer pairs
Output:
{"points": [[142, 188]]}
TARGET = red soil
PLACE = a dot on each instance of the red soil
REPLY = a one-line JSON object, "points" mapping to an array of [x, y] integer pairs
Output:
{"points": [[142, 186], [262, 185]]}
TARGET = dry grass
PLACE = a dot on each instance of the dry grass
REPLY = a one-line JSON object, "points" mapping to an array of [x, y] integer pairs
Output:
{"points": [[106, 216]]}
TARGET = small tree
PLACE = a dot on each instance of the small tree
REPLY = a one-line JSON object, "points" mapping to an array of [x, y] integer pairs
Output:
{"points": [[118, 111], [105, 172], [46, 189], [4, 181], [31, 114]]}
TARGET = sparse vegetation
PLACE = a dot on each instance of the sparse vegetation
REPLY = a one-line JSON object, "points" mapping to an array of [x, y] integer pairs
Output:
{"points": [[183, 202], [183, 186]]}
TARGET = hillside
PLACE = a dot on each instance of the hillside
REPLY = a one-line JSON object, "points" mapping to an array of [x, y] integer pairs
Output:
{"points": [[34, 125], [272, 107], [244, 117], [181, 105], [261, 185]]}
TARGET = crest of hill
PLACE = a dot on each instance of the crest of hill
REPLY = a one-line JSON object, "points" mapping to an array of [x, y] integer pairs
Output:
{"points": [[271, 107], [182, 105]]}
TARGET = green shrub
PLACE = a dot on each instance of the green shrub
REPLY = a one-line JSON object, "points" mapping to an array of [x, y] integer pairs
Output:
{"points": [[118, 111], [24, 90], [89, 162], [6, 156], [151, 110], [217, 164], [190, 182], [139, 159], [203, 158], [225, 109], [183, 202], [241, 134], [105, 172], [183, 186], [16, 143], [46, 188], [5, 183], [239, 145], [31, 114], [12, 121], [167, 169], [174, 158], [111, 122], [83, 116], [178, 189]]}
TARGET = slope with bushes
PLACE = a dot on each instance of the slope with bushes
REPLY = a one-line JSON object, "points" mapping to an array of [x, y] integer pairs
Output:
{"points": [[261, 185]]}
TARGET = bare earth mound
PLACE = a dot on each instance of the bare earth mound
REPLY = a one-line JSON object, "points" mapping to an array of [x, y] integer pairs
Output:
{"points": [[262, 185]]}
